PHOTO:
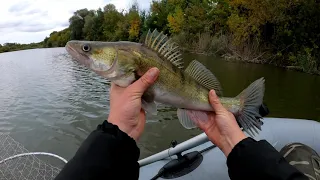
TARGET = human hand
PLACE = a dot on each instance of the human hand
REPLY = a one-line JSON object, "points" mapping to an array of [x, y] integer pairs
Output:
{"points": [[221, 127], [125, 104]]}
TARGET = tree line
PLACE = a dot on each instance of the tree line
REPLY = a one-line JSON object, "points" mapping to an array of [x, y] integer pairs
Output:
{"points": [[7, 47], [282, 32]]}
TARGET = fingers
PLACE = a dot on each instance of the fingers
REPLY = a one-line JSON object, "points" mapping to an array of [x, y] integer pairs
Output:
{"points": [[141, 85], [215, 102]]}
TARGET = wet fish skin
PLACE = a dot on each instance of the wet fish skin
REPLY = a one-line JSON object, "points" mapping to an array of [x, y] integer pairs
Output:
{"points": [[124, 62]]}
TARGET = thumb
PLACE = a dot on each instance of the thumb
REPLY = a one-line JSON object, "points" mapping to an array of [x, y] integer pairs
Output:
{"points": [[145, 81], [215, 102]]}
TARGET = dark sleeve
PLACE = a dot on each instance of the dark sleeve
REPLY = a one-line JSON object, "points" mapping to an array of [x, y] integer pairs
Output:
{"points": [[107, 153], [252, 159]]}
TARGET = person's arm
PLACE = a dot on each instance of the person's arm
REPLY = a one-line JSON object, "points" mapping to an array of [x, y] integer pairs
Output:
{"points": [[110, 152], [246, 158], [107, 153]]}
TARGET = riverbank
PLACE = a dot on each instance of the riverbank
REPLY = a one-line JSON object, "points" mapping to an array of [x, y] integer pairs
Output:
{"points": [[294, 68], [250, 52], [9, 47]]}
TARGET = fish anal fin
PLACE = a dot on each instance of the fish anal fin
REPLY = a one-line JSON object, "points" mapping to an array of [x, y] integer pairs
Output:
{"points": [[204, 76], [165, 47], [190, 118]]}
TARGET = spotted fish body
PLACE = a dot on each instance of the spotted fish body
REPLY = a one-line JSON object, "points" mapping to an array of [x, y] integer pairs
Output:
{"points": [[124, 62]]}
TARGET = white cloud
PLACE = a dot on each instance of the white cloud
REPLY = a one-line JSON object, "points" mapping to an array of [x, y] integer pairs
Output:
{"points": [[26, 21], [125, 4]]}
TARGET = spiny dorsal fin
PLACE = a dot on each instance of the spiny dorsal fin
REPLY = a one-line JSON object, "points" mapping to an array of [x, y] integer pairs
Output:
{"points": [[203, 76], [164, 47]]}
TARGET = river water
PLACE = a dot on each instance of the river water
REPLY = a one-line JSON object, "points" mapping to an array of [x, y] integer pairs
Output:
{"points": [[50, 103]]}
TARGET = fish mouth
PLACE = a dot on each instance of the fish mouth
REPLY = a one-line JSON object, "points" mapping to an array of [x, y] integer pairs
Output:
{"points": [[78, 56]]}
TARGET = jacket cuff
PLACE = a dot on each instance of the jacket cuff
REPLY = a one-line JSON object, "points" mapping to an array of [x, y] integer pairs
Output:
{"points": [[116, 133], [243, 144]]}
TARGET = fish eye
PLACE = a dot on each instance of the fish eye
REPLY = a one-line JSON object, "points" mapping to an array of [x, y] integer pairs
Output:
{"points": [[86, 48]]}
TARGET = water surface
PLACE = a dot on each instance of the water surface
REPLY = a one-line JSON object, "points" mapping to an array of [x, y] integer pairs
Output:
{"points": [[50, 103]]}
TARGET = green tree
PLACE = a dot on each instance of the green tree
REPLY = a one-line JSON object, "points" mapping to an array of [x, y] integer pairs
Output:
{"points": [[176, 20], [111, 20], [88, 29], [77, 22], [134, 23], [157, 18], [196, 17], [218, 12], [122, 29], [98, 26]]}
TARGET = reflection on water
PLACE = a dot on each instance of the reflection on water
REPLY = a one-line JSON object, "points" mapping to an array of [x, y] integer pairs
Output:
{"points": [[50, 103]]}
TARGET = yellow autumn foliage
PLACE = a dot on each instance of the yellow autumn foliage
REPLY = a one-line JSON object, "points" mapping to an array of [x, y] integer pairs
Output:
{"points": [[176, 20]]}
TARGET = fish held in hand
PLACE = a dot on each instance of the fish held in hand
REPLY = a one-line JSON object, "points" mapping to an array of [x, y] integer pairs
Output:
{"points": [[186, 89]]}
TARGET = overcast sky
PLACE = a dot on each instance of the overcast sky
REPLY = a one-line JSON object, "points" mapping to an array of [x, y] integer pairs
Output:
{"points": [[26, 21]]}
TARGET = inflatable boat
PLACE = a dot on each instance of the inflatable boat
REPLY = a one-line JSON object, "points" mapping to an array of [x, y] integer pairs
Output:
{"points": [[197, 158]]}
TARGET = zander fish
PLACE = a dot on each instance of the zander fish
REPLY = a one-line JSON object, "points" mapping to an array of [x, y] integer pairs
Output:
{"points": [[186, 89]]}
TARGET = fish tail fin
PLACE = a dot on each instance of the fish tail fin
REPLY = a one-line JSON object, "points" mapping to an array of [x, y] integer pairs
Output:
{"points": [[251, 100]]}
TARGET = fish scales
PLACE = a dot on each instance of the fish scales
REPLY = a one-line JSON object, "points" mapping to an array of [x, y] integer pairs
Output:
{"points": [[174, 80]]}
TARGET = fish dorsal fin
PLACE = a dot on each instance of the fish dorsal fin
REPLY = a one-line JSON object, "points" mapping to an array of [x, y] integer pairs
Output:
{"points": [[164, 46], [203, 76]]}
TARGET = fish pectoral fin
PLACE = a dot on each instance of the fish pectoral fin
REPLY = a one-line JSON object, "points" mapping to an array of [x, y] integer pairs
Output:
{"points": [[149, 107], [190, 118], [204, 76]]}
